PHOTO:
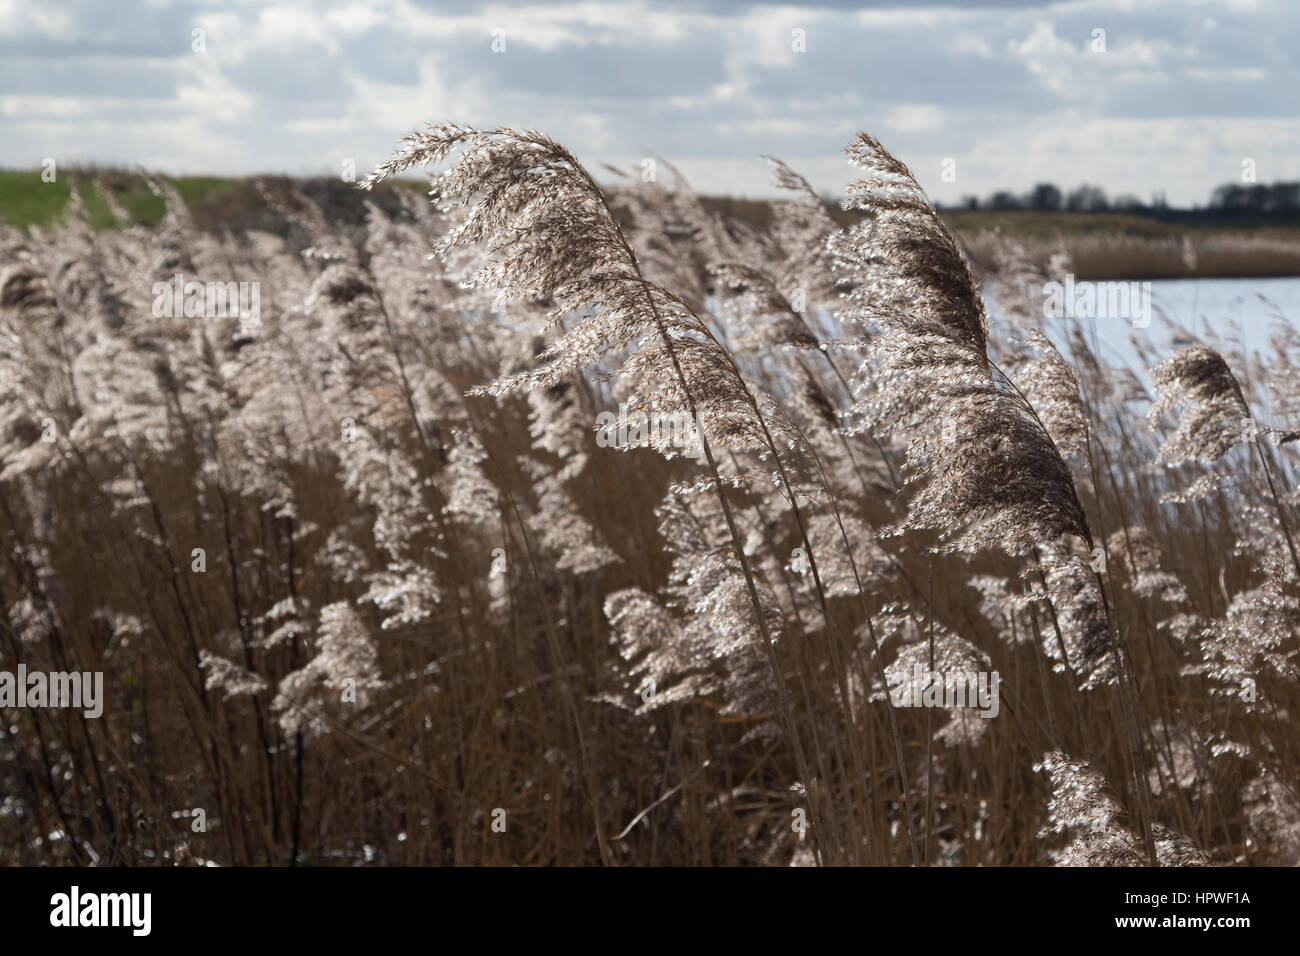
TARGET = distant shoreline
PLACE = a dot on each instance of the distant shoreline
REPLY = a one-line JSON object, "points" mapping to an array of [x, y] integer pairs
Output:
{"points": [[1102, 245]]}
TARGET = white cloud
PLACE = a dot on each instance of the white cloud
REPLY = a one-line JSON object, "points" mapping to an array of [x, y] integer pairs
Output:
{"points": [[915, 118], [206, 93], [51, 106], [1015, 95], [19, 18]]}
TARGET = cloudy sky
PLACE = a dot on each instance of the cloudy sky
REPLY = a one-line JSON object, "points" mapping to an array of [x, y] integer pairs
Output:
{"points": [[1012, 92]]}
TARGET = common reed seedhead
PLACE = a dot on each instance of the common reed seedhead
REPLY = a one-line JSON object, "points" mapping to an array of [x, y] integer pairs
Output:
{"points": [[1083, 808], [1052, 391], [1215, 416], [545, 230], [1139, 554], [992, 476]]}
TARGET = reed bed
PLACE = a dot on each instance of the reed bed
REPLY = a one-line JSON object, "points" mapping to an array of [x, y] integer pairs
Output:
{"points": [[1204, 253], [561, 521]]}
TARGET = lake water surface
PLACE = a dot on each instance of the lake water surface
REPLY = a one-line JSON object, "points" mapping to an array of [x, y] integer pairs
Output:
{"points": [[1244, 312]]}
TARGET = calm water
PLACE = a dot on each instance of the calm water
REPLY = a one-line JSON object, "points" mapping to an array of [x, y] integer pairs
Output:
{"points": [[1241, 311]]}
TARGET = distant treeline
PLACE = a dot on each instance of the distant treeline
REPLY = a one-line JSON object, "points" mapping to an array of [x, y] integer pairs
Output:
{"points": [[1244, 202]]}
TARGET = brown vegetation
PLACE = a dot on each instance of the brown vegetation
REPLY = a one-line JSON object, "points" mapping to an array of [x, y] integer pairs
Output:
{"points": [[368, 586]]}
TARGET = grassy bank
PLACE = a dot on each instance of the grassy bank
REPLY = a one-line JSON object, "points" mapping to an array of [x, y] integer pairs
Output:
{"points": [[216, 204]]}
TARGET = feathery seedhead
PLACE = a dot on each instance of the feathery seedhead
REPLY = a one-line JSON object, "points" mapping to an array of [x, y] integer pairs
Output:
{"points": [[904, 260], [1080, 612], [1215, 415], [1050, 386], [995, 479], [1137, 552], [545, 231], [1082, 807], [1250, 641]]}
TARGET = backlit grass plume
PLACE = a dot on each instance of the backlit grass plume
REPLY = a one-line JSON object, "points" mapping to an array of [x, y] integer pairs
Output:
{"points": [[1082, 808], [1215, 417], [546, 231], [990, 475], [1214, 414]]}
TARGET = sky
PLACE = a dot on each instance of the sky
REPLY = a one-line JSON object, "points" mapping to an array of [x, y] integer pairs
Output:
{"points": [[1132, 96]]}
